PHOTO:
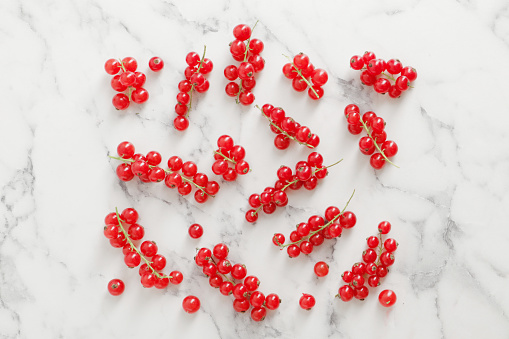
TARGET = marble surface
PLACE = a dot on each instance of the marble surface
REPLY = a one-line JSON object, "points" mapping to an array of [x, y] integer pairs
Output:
{"points": [[447, 201]]}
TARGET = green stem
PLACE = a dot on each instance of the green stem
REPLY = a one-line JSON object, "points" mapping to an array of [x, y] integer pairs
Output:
{"points": [[201, 188], [316, 170], [299, 72], [323, 227], [126, 235], [376, 145], [380, 249], [226, 158], [282, 131]]}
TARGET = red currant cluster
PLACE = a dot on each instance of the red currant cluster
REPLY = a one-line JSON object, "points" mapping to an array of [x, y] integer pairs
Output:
{"points": [[286, 128], [376, 260], [374, 74], [147, 169], [247, 52], [305, 76], [307, 174], [314, 232], [123, 231], [195, 80], [229, 153], [376, 138], [225, 276], [128, 80]]}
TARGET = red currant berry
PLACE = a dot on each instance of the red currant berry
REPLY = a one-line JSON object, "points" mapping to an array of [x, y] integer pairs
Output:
{"points": [[239, 271], [359, 268], [176, 277], [120, 101], [372, 241], [374, 281], [256, 46], [375, 66], [181, 123], [384, 227], [317, 93], [251, 216], [245, 71], [361, 293], [368, 56], [390, 245], [355, 129], [394, 92], [191, 304], [382, 85], [335, 230], [351, 108], [358, 281], [238, 47], [156, 64], [377, 124], [189, 72], [192, 59], [272, 301], [220, 251], [381, 271], [387, 258], [289, 71], [242, 167], [257, 61], [356, 62], [257, 299], [293, 251], [371, 268], [197, 79], [240, 291], [112, 66], [331, 213], [369, 256], [118, 241], [148, 280], [111, 231], [195, 231], [246, 98], [281, 141], [251, 282], [394, 66], [306, 247], [410, 73], [136, 232], [212, 187], [319, 77], [184, 188], [140, 168], [148, 248], [346, 293], [387, 298], [224, 266], [390, 148], [124, 172], [280, 198], [299, 84], [308, 71], [232, 89], [301, 61], [367, 78], [241, 305], [377, 161], [402, 83], [226, 288], [347, 219], [317, 239], [321, 269], [117, 85], [130, 64], [307, 301], [158, 262], [200, 196], [116, 287], [313, 141], [242, 32], [366, 145], [347, 276], [206, 66], [278, 239]]}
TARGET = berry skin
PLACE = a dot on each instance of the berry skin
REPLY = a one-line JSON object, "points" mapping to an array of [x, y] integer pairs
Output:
{"points": [[240, 291], [130, 64], [394, 66], [372, 241], [116, 287], [206, 66], [293, 251], [368, 56], [220, 251], [356, 62], [136, 232], [176, 277], [191, 304], [374, 281], [192, 59], [241, 305], [361, 293], [366, 145], [125, 150], [232, 89], [120, 101], [251, 216], [394, 92], [252, 284], [307, 301], [148, 280], [410, 73], [117, 85], [387, 298], [377, 161], [239, 271], [272, 301], [402, 83], [246, 98], [289, 71], [181, 123], [390, 148], [220, 167], [346, 293], [242, 32], [257, 61], [301, 61], [245, 71], [348, 219], [375, 66], [256, 46], [257, 299], [156, 64], [382, 85], [258, 313], [281, 141], [299, 84], [387, 258], [140, 95], [347, 276], [384, 227], [158, 262], [195, 231], [226, 288], [132, 259], [112, 66], [319, 77], [242, 167], [231, 72], [148, 248], [367, 78], [278, 239], [319, 91], [369, 256], [390, 245], [321, 269], [238, 47]]}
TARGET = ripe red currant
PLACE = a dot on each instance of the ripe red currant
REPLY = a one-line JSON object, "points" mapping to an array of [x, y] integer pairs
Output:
{"points": [[307, 301], [321, 269], [156, 64], [116, 287], [387, 298], [191, 304]]}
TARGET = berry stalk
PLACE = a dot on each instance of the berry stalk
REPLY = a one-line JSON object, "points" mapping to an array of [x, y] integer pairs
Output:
{"points": [[126, 235], [314, 172], [324, 226], [167, 171], [282, 131], [376, 145], [302, 76]]}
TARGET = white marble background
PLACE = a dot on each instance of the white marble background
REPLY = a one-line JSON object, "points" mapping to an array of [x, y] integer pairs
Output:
{"points": [[447, 202]]}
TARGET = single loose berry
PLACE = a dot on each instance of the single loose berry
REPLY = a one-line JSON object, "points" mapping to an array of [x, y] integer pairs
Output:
{"points": [[156, 64], [387, 298], [116, 287], [191, 304], [321, 269], [307, 301]]}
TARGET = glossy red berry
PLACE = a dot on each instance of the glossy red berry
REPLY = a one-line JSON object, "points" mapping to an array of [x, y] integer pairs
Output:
{"points": [[356, 62], [176, 277], [181, 123], [130, 64], [321, 269], [307, 301], [120, 101], [384, 227], [256, 46], [191, 304], [116, 287], [278, 239], [238, 271], [242, 32], [112, 66], [377, 161], [387, 298], [301, 61], [409, 72], [156, 64], [346, 293]]}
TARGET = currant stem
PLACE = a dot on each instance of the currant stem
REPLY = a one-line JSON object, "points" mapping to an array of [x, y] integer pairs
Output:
{"points": [[316, 170], [201, 188], [303, 77], [376, 145], [324, 226], [282, 131], [226, 158], [192, 85], [126, 235]]}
